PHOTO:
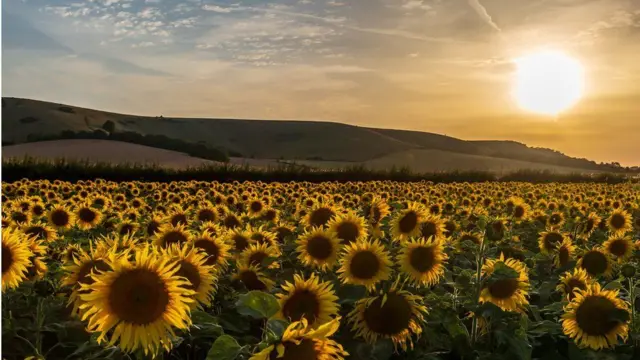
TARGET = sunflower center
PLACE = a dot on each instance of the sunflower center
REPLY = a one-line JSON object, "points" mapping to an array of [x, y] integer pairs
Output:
{"points": [[173, 237], [595, 263], [503, 288], [618, 247], [177, 219], [84, 273], [319, 247], [240, 242], [206, 215], [347, 232], [429, 229], [87, 215], [321, 216], [138, 296], [422, 259], [574, 284], [518, 212], [152, 227], [408, 222], [257, 258], [391, 318], [7, 258], [126, 229], [231, 221], [594, 316], [551, 240], [39, 232], [563, 255], [589, 226], [617, 221], [255, 206], [210, 248], [555, 219], [364, 265], [302, 303], [251, 281], [304, 351], [189, 271]]}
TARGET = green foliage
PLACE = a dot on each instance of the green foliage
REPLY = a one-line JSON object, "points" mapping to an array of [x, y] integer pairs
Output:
{"points": [[224, 348], [257, 304]]}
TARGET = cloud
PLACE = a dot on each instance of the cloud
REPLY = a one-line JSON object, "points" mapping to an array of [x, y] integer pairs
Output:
{"points": [[216, 8], [482, 12]]}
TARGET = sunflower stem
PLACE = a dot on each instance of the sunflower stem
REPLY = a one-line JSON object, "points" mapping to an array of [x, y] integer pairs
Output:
{"points": [[632, 299], [479, 262]]}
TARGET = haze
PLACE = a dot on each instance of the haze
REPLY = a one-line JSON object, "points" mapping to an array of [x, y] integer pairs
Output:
{"points": [[443, 66]]}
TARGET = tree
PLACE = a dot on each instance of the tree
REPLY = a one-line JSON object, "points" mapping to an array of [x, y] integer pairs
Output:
{"points": [[109, 126]]}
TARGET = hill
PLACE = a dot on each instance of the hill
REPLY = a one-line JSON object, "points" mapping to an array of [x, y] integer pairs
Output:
{"points": [[26, 120]]}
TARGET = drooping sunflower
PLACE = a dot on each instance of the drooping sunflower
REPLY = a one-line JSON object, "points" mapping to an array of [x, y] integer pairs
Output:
{"points": [[549, 240], [564, 252], [40, 231], [406, 223], [310, 298], [87, 217], [253, 278], [619, 222], [365, 263], [592, 318], [139, 300], [60, 217], [318, 248], [16, 257], [590, 225], [396, 314], [596, 263], [201, 277], [348, 227], [169, 234], [422, 261], [619, 247], [300, 341], [215, 250], [508, 288], [256, 254], [569, 282]]}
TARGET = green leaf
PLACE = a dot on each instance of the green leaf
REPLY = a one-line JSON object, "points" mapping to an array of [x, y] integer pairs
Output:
{"points": [[502, 272], [224, 348], [614, 285], [276, 328], [257, 304], [349, 294], [201, 318]]}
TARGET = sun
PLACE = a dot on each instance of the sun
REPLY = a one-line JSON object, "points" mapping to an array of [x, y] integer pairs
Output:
{"points": [[548, 82]]}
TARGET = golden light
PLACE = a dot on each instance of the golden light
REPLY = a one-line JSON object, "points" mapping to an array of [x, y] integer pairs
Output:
{"points": [[548, 82]]}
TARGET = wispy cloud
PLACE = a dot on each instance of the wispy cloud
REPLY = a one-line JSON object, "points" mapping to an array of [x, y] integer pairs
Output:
{"points": [[482, 12]]}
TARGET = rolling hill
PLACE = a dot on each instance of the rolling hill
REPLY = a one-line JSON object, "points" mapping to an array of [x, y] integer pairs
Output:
{"points": [[314, 142]]}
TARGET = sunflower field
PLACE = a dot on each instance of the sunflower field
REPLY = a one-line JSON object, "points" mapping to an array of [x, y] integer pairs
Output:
{"points": [[330, 270]]}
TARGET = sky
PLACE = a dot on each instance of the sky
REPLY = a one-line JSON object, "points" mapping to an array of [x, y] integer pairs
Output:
{"points": [[442, 66]]}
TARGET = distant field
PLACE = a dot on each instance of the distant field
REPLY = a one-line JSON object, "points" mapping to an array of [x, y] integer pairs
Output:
{"points": [[102, 151]]}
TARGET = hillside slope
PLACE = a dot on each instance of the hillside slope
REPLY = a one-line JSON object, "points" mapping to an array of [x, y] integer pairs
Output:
{"points": [[25, 120]]}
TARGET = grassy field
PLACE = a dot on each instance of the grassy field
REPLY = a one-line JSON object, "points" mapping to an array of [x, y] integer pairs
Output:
{"points": [[298, 270]]}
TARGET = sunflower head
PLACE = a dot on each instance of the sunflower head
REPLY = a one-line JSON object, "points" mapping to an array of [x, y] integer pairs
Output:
{"points": [[87, 217], [201, 277], [564, 253], [169, 234], [253, 278], [319, 215], [549, 241], [40, 231], [406, 223], [619, 222], [215, 250], [348, 227], [318, 248], [572, 281], [16, 258], [422, 261], [619, 247], [263, 255], [596, 262], [596, 318], [365, 263], [311, 299], [506, 283]]}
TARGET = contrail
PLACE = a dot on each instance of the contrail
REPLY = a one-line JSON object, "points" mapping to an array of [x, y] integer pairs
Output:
{"points": [[482, 11]]}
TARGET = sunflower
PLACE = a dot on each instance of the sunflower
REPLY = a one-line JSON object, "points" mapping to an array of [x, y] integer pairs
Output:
{"points": [[396, 315], [619, 222], [256, 254], [365, 263], [590, 225], [378, 210], [564, 253], [253, 278], [596, 262], [569, 282], [127, 227], [70, 252], [520, 210], [169, 234], [469, 237], [406, 223], [433, 226], [177, 216], [300, 341], [593, 318], [318, 248], [255, 208], [619, 247], [231, 221], [40, 231], [201, 277], [348, 227], [16, 257], [239, 239], [283, 232], [422, 261], [117, 243], [87, 217], [319, 215], [207, 212], [310, 299], [215, 250], [79, 269], [549, 240], [555, 220], [506, 283], [153, 226], [140, 301], [262, 236], [38, 267]]}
